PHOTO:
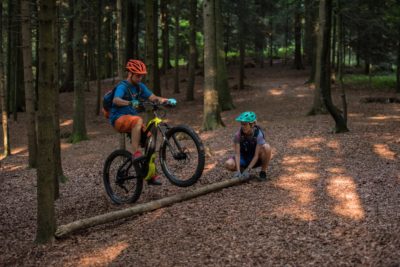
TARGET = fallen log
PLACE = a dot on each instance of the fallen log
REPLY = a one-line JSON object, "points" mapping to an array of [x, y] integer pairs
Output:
{"points": [[66, 229]]}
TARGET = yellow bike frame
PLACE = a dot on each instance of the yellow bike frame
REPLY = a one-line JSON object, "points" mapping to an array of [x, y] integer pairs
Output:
{"points": [[152, 166]]}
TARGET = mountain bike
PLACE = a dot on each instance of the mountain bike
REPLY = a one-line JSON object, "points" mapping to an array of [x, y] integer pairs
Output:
{"points": [[181, 156]]}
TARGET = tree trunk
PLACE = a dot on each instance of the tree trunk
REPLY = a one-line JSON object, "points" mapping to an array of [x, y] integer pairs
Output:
{"points": [[212, 112], [119, 42], [176, 37], [79, 121], [68, 84], [152, 46], [99, 58], [164, 10], [324, 66], [271, 44], [340, 59], [3, 95], [242, 48], [398, 65], [224, 94], [192, 51], [130, 30], [46, 223], [28, 79], [309, 31], [67, 229], [298, 61]]}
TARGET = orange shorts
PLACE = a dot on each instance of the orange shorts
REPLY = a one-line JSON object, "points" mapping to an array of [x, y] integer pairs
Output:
{"points": [[125, 123]]}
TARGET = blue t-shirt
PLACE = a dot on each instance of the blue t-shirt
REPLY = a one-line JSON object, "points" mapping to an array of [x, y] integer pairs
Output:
{"points": [[128, 91]]}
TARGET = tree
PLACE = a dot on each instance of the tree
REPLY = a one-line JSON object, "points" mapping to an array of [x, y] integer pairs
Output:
{"points": [[28, 79], [79, 121], [164, 10], [192, 51], [242, 45], [323, 73], [152, 46], [3, 95], [46, 223], [211, 114], [224, 94], [120, 46], [298, 62], [176, 52]]}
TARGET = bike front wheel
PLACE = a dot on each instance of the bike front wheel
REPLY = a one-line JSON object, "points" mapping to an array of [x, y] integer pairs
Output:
{"points": [[182, 156], [121, 180]]}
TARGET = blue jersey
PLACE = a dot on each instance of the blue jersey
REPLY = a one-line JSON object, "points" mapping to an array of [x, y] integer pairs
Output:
{"points": [[129, 92]]}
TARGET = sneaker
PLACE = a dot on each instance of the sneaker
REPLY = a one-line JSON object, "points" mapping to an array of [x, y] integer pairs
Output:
{"points": [[263, 176], [155, 180]]}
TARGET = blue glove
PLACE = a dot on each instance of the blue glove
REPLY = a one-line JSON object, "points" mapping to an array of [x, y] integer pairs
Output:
{"points": [[135, 103], [245, 174], [237, 175], [171, 101]]}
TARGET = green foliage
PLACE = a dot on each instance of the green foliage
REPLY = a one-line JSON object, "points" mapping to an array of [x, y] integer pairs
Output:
{"points": [[377, 81]]}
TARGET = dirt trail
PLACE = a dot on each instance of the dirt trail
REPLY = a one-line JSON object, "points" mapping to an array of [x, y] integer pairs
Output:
{"points": [[331, 199]]}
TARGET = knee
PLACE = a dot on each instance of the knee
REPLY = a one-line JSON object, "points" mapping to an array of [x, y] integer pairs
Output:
{"points": [[230, 165], [266, 150]]}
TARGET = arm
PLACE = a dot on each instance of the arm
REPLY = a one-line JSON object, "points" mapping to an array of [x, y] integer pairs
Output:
{"points": [[120, 102], [155, 98], [236, 147]]}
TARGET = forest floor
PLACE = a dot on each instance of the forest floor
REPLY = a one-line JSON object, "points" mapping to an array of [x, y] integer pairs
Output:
{"points": [[331, 199]]}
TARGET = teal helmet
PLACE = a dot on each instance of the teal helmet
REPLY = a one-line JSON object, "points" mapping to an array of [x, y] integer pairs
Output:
{"points": [[247, 116]]}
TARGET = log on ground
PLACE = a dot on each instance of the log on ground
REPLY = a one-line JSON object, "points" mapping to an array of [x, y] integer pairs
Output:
{"points": [[66, 229]]}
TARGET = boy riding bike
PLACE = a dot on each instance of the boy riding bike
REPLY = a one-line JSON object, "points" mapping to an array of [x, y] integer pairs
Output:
{"points": [[251, 149], [124, 111]]}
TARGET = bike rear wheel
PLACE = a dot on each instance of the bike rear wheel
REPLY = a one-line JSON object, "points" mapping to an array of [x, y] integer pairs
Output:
{"points": [[182, 156], [121, 180]]}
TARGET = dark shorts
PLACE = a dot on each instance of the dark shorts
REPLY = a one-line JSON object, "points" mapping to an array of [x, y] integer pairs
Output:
{"points": [[244, 162]]}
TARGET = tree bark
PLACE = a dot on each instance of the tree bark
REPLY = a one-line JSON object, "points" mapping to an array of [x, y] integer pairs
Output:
{"points": [[176, 46], [46, 223], [224, 94], [68, 83], [152, 46], [120, 46], [3, 95], [212, 111], [192, 51], [324, 66], [242, 48], [67, 229], [298, 59], [164, 10], [28, 79], [99, 58], [398, 65], [79, 120]]}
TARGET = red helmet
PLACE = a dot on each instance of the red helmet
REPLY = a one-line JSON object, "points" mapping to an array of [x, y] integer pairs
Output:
{"points": [[136, 66]]}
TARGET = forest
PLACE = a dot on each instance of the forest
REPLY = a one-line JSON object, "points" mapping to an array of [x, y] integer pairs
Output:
{"points": [[322, 76]]}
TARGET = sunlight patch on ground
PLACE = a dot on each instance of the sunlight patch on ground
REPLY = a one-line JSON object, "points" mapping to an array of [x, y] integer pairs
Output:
{"points": [[103, 256], [311, 143], [65, 145], [348, 204], [292, 160], [384, 151], [275, 91], [17, 150], [66, 123], [301, 191], [12, 167], [155, 215], [383, 117], [333, 145], [336, 170]]}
